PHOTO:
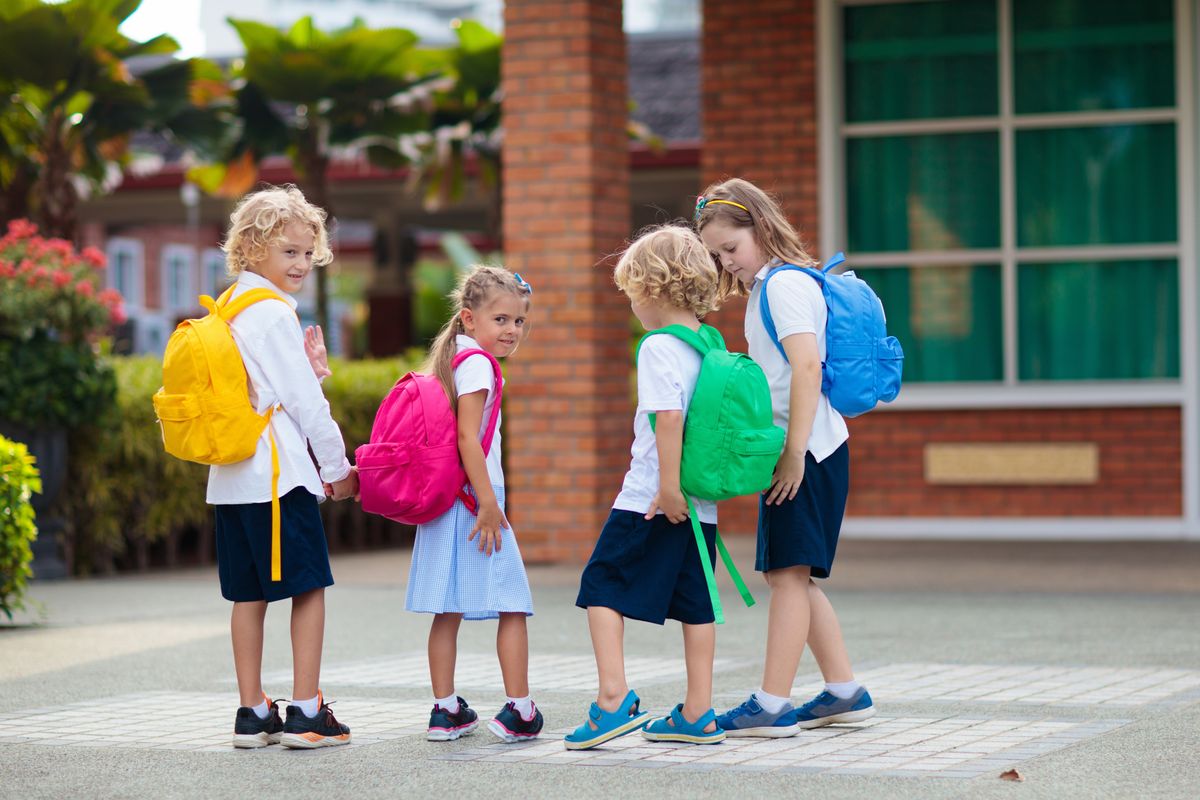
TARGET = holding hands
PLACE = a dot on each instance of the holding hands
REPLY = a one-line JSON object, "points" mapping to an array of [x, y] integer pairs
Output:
{"points": [[345, 488]]}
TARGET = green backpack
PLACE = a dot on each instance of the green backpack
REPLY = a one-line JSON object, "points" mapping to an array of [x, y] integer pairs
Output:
{"points": [[731, 444]]}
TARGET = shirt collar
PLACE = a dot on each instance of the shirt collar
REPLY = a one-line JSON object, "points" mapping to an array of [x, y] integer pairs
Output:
{"points": [[252, 280], [465, 342], [767, 267]]}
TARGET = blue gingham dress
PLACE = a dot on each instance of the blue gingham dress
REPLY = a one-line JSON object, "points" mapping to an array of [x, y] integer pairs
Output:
{"points": [[449, 575]]}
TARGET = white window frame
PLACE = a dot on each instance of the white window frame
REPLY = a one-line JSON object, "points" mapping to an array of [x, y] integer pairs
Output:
{"points": [[1010, 391], [209, 257], [135, 297], [187, 292], [1183, 392]]}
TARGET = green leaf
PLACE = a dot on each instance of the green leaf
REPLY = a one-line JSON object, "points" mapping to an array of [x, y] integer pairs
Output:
{"points": [[257, 36]]}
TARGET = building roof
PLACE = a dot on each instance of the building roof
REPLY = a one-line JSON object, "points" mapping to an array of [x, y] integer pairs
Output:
{"points": [[664, 84]]}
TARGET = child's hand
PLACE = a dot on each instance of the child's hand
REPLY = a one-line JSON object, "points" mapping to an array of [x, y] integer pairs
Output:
{"points": [[488, 526], [789, 474], [314, 348], [346, 487], [671, 502]]}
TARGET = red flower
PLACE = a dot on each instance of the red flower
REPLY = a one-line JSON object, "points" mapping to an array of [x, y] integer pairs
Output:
{"points": [[21, 228], [117, 315], [110, 297], [85, 289], [62, 278], [95, 257], [7, 270], [27, 267], [59, 246]]}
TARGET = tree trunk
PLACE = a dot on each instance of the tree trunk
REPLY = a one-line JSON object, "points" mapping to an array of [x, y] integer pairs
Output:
{"points": [[54, 191]]}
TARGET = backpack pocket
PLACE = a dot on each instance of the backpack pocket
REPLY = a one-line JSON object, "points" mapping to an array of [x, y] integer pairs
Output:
{"points": [[408, 487], [889, 368], [754, 457], [185, 433]]}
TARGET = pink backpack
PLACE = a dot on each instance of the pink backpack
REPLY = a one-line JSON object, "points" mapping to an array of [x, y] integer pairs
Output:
{"points": [[410, 471]]}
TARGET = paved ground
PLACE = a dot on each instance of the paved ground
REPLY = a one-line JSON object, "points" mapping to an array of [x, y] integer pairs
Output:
{"points": [[1078, 665]]}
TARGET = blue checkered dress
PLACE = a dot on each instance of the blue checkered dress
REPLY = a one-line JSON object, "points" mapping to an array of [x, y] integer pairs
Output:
{"points": [[450, 575]]}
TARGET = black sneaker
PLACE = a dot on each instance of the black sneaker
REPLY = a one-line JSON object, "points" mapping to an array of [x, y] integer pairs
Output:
{"points": [[249, 731], [445, 727], [305, 733], [510, 726]]}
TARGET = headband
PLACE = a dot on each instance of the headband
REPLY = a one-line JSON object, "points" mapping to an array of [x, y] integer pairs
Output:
{"points": [[703, 201]]}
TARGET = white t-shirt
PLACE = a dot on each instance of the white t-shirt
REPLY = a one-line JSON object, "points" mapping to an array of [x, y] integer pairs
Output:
{"points": [[797, 306], [471, 375], [666, 375]]}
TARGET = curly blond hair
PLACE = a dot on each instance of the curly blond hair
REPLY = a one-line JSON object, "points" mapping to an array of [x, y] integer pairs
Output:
{"points": [[258, 221], [670, 264]]}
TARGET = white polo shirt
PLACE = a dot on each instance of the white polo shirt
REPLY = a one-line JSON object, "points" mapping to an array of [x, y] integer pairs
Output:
{"points": [[269, 337], [797, 306], [666, 375], [473, 374]]}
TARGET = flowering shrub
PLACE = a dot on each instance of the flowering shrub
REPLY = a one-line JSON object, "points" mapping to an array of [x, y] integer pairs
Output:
{"points": [[53, 312]]}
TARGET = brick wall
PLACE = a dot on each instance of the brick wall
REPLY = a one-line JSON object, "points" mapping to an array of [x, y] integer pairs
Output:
{"points": [[759, 122], [566, 204], [1141, 455]]}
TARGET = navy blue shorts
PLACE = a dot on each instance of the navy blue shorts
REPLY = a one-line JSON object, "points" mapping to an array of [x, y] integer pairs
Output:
{"points": [[649, 570], [804, 531], [244, 549]]}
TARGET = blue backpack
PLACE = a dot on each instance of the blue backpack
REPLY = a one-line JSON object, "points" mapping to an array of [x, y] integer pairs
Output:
{"points": [[862, 364]]}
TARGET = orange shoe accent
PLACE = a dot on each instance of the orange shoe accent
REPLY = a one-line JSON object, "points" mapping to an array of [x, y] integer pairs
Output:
{"points": [[312, 736]]}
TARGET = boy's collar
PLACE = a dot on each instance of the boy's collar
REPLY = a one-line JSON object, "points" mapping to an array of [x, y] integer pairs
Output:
{"points": [[253, 280]]}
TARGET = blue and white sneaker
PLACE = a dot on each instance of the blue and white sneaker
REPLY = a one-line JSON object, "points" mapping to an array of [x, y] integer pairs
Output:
{"points": [[751, 719], [446, 727], [829, 709]]}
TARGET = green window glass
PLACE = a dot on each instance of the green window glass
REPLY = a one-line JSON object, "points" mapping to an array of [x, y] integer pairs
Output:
{"points": [[1098, 185], [1091, 55], [1096, 321], [921, 60], [932, 192], [947, 318]]}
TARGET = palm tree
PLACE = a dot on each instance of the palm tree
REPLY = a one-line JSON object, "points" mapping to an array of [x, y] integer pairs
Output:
{"points": [[313, 95], [70, 102]]}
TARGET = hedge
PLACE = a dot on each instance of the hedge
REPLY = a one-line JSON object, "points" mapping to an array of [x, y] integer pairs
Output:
{"points": [[130, 505]]}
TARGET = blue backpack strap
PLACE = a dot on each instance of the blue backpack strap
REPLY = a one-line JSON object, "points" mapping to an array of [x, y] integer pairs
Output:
{"points": [[764, 307]]}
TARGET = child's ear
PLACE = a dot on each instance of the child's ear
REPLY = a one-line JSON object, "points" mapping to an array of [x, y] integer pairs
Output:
{"points": [[467, 319]]}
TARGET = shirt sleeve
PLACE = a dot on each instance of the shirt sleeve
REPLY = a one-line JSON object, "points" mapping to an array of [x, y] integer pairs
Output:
{"points": [[279, 352], [474, 373], [797, 304], [660, 383]]}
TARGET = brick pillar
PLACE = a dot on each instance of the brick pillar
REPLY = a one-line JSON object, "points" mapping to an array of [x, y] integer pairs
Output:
{"points": [[759, 122], [566, 204]]}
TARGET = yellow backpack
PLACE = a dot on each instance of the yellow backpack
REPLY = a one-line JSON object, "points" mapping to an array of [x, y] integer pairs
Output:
{"points": [[204, 405]]}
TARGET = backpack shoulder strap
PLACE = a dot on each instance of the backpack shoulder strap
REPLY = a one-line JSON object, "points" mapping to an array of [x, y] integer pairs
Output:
{"points": [[490, 433], [697, 339], [229, 307], [764, 307]]}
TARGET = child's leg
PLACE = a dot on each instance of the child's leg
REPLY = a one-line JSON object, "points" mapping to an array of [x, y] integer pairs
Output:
{"points": [[512, 648], [825, 638], [443, 652], [246, 630], [699, 649], [787, 628], [308, 638], [608, 642]]}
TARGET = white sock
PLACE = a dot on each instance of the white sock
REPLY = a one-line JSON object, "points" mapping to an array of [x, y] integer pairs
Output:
{"points": [[448, 704], [771, 703], [262, 709], [843, 691], [309, 707], [524, 706]]}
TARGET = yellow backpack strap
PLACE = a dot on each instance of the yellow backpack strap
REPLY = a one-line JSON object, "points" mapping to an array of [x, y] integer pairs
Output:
{"points": [[276, 553], [230, 308]]}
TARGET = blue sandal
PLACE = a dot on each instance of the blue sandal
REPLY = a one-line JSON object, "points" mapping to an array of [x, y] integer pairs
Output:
{"points": [[677, 729], [609, 724]]}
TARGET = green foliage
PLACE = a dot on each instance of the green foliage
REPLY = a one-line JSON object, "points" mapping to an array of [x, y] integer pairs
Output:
{"points": [[18, 480], [53, 384], [125, 488]]}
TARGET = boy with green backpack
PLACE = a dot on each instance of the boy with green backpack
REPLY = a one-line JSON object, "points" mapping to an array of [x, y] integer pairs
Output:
{"points": [[703, 432]]}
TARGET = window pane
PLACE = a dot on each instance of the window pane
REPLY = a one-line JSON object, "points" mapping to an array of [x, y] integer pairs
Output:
{"points": [[1089, 55], [932, 192], [1096, 185], [947, 319], [1098, 320], [921, 60]]}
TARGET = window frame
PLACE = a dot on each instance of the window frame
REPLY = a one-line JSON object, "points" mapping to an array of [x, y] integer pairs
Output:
{"points": [[166, 255], [1012, 392], [135, 298]]}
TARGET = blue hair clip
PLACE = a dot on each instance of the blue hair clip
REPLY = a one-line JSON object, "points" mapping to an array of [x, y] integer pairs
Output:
{"points": [[701, 202], [524, 284]]}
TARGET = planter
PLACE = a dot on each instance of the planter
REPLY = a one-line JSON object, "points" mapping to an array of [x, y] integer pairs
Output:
{"points": [[49, 447]]}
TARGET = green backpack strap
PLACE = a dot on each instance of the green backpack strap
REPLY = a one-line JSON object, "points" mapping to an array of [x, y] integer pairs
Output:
{"points": [[709, 577]]}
